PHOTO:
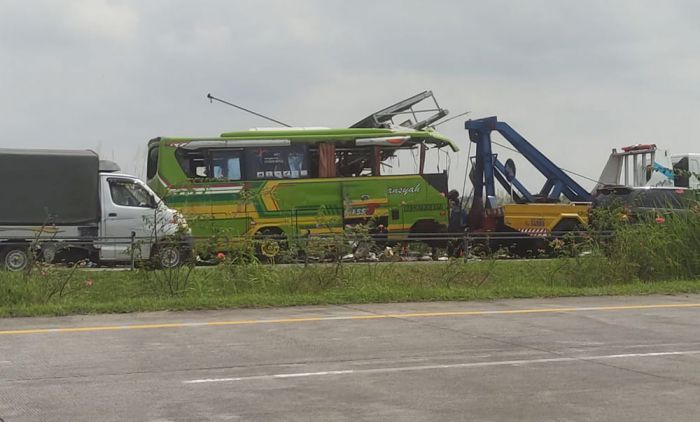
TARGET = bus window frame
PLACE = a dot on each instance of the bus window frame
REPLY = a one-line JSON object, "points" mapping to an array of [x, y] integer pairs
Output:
{"points": [[371, 159], [239, 153], [184, 159], [306, 161]]}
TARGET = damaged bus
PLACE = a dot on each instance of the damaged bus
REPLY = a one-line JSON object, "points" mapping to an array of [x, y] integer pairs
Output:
{"points": [[297, 182]]}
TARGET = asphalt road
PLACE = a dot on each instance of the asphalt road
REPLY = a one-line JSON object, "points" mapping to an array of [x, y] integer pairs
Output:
{"points": [[587, 359]]}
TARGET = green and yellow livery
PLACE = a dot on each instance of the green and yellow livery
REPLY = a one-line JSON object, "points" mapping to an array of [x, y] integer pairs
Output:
{"points": [[297, 182]]}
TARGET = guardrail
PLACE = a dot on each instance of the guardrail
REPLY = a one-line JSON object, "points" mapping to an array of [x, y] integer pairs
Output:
{"points": [[412, 237], [453, 244]]}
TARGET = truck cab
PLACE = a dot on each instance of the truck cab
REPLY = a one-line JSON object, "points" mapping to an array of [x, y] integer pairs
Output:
{"points": [[134, 219], [68, 206], [686, 169]]}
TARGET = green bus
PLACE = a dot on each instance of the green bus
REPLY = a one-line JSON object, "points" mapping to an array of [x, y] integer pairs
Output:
{"points": [[295, 182]]}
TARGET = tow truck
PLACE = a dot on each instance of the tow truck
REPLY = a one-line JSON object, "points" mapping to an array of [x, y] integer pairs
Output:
{"points": [[535, 217]]}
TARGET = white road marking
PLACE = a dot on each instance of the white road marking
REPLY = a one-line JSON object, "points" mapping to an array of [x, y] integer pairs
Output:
{"points": [[434, 367]]}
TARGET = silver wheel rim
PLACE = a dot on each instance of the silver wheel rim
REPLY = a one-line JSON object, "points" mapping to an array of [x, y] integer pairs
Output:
{"points": [[16, 260], [169, 257]]}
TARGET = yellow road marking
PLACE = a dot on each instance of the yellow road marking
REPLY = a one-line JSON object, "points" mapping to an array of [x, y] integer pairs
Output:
{"points": [[343, 318]]}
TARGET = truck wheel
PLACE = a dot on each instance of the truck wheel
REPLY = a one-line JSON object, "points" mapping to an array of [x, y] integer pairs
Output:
{"points": [[168, 256], [15, 258]]}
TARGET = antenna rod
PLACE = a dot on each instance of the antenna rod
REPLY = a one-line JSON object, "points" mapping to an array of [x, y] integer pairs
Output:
{"points": [[211, 97]]}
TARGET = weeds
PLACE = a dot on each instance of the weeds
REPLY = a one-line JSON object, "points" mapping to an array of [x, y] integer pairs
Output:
{"points": [[640, 258], [656, 251], [169, 282], [660, 246]]}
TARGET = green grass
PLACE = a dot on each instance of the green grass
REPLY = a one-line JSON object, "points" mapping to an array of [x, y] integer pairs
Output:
{"points": [[661, 245], [60, 292], [647, 258]]}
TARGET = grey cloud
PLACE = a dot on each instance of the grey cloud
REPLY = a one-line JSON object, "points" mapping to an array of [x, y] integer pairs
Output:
{"points": [[577, 78]]}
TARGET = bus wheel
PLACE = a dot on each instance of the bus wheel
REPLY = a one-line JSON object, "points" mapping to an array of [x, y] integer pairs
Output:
{"points": [[430, 233], [270, 248], [269, 242]]}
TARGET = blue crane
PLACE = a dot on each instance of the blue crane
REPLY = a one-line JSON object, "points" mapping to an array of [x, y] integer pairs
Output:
{"points": [[488, 167]]}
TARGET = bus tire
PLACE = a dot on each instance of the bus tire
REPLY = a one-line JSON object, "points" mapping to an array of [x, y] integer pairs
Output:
{"points": [[269, 242], [429, 232]]}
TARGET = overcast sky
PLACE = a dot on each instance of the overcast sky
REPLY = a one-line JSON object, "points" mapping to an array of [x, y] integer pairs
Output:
{"points": [[576, 78]]}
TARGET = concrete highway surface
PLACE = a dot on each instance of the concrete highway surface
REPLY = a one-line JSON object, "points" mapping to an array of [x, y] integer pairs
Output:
{"points": [[578, 359]]}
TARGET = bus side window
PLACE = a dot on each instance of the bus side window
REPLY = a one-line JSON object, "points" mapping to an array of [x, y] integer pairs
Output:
{"points": [[200, 169], [226, 164], [229, 169], [234, 168], [265, 163], [192, 163]]}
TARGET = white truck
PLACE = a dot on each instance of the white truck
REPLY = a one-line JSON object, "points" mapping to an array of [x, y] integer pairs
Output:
{"points": [[646, 165], [67, 206], [687, 167]]}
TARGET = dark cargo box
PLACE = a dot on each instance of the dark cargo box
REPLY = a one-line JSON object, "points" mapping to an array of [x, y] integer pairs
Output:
{"points": [[49, 187]]}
